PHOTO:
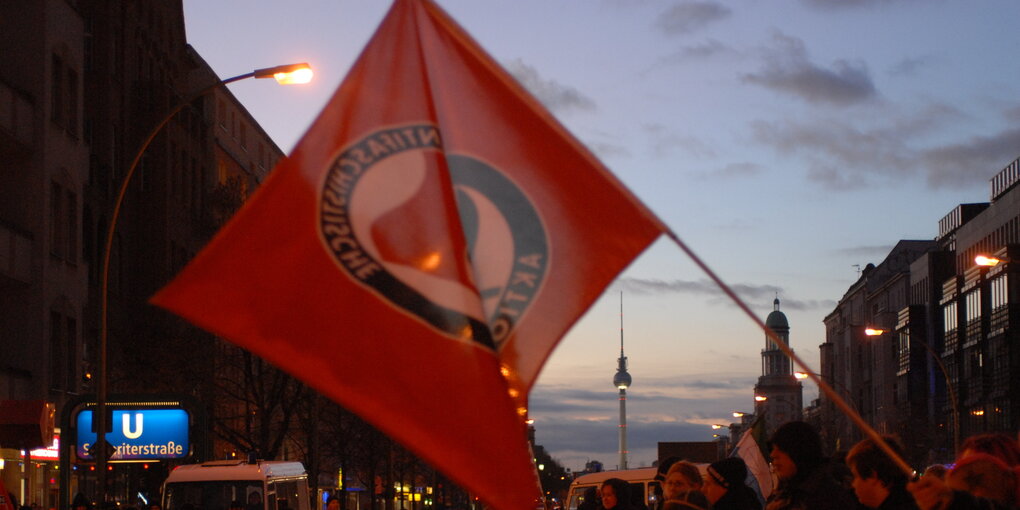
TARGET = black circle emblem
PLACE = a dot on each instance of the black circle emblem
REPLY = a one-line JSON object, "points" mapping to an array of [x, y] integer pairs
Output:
{"points": [[382, 219]]}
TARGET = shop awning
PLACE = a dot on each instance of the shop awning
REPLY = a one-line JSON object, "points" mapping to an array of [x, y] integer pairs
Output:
{"points": [[26, 424]]}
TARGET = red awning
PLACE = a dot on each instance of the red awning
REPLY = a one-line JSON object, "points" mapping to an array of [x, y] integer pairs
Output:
{"points": [[26, 424]]}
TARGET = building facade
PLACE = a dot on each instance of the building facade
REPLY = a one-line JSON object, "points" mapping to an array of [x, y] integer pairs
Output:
{"points": [[942, 361], [82, 84]]}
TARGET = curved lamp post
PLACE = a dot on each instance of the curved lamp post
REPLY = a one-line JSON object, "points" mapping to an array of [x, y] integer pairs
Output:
{"points": [[872, 331], [285, 75]]}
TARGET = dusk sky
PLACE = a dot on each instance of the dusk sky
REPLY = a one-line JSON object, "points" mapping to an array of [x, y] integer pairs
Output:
{"points": [[787, 142]]}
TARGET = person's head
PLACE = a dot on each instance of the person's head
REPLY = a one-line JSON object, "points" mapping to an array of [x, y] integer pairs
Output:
{"points": [[333, 503], [723, 475], [875, 474], [796, 449], [254, 498], [615, 493], [663, 467], [985, 476], [682, 476], [1001, 446]]}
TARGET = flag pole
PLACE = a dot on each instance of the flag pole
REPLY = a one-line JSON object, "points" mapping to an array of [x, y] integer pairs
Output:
{"points": [[822, 385]]}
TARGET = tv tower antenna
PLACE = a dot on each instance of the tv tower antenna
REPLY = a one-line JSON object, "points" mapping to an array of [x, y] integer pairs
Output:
{"points": [[622, 380]]}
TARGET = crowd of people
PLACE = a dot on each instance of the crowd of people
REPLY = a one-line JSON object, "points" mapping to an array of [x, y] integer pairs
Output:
{"points": [[984, 476]]}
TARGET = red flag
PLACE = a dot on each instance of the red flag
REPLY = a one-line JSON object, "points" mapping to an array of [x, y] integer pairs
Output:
{"points": [[417, 258]]}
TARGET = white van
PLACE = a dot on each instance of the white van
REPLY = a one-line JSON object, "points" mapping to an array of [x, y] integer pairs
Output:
{"points": [[259, 485], [642, 486]]}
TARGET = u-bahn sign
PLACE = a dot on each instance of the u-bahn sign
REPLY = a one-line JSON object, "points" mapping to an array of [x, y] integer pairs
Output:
{"points": [[138, 434]]}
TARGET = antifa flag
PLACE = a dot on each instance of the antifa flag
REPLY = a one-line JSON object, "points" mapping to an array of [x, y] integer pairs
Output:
{"points": [[421, 252]]}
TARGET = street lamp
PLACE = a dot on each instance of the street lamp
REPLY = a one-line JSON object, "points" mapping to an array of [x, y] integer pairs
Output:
{"points": [[285, 75], [871, 331], [984, 260]]}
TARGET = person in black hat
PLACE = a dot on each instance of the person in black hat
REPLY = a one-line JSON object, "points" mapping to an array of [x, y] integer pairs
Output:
{"points": [[725, 487], [806, 479]]}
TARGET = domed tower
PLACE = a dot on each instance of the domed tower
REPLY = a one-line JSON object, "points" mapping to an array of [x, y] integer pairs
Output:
{"points": [[778, 394], [622, 381]]}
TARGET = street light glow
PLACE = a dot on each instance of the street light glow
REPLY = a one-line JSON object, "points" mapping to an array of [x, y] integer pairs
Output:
{"points": [[984, 260], [289, 74], [874, 332], [738, 414], [800, 375], [760, 398]]}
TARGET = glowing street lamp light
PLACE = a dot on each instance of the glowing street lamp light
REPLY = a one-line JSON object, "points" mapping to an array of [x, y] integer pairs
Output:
{"points": [[760, 398], [984, 260], [284, 74]]}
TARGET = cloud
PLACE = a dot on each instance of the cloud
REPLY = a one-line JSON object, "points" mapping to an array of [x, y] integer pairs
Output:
{"points": [[690, 16], [1012, 114], [787, 69], [750, 293], [664, 143], [706, 50], [606, 150], [963, 163], [733, 171], [911, 66], [555, 97], [843, 157]]}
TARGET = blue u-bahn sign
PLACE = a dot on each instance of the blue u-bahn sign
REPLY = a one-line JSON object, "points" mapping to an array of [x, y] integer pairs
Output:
{"points": [[139, 434]]}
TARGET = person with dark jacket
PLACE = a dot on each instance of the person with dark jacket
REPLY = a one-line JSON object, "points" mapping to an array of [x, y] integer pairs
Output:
{"points": [[806, 480], [725, 487], [878, 482]]}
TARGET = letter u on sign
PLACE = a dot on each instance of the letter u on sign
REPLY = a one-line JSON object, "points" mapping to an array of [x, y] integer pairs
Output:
{"points": [[126, 420]]}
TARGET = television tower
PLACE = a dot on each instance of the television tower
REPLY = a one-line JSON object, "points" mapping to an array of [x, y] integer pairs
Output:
{"points": [[622, 380]]}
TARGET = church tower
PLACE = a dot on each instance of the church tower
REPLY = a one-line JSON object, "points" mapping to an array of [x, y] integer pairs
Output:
{"points": [[778, 395]]}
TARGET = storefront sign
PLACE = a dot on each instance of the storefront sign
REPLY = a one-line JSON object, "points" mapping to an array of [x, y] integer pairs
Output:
{"points": [[139, 434]]}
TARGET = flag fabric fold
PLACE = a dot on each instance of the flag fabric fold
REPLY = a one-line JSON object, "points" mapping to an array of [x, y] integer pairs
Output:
{"points": [[420, 253], [751, 448]]}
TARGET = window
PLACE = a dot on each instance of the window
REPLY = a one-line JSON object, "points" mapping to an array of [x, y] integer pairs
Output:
{"points": [[973, 308], [1000, 297], [949, 319], [64, 95], [903, 352]]}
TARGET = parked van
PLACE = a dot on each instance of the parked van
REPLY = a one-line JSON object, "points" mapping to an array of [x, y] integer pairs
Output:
{"points": [[259, 485], [642, 482], [644, 488]]}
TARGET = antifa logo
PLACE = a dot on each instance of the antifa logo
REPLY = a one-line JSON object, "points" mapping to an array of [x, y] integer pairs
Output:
{"points": [[383, 220]]}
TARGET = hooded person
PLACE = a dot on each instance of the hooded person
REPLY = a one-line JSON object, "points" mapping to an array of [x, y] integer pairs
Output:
{"points": [[806, 479], [986, 476], [725, 488]]}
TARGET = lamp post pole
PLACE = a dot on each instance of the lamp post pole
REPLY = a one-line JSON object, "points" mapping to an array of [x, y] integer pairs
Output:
{"points": [[945, 374], [284, 75]]}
